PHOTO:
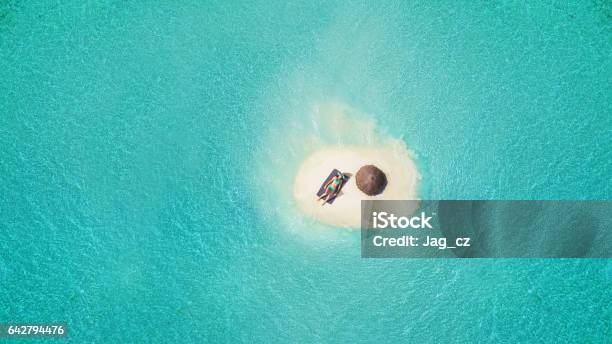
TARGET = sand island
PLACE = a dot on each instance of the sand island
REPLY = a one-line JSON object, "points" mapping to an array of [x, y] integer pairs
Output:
{"points": [[392, 157]]}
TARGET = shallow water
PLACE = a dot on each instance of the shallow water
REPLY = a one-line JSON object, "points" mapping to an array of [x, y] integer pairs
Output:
{"points": [[141, 145]]}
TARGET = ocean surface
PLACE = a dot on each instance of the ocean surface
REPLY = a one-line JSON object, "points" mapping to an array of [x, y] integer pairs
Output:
{"points": [[148, 148]]}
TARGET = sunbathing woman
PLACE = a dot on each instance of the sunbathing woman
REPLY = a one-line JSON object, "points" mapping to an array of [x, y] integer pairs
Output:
{"points": [[332, 187]]}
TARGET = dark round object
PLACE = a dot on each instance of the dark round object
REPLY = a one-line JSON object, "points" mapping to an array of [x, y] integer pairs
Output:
{"points": [[371, 180]]}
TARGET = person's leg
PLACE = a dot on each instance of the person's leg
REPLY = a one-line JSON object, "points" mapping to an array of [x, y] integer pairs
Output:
{"points": [[324, 195], [329, 195]]}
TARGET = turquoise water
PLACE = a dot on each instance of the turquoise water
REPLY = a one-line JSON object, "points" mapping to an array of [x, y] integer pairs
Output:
{"points": [[139, 140]]}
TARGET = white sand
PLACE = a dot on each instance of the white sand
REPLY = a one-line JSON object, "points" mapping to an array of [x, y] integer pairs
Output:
{"points": [[392, 157]]}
